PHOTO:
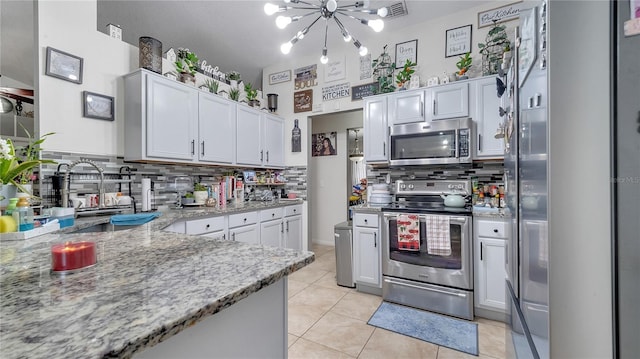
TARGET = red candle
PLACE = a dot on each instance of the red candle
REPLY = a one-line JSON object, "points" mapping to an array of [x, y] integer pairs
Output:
{"points": [[72, 255]]}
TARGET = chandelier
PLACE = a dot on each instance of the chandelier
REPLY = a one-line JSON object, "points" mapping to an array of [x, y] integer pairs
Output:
{"points": [[327, 10]]}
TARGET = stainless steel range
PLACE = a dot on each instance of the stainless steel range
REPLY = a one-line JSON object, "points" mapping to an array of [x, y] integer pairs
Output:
{"points": [[427, 248]]}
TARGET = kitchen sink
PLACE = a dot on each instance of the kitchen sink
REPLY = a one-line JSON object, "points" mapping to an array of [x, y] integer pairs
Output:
{"points": [[102, 227]]}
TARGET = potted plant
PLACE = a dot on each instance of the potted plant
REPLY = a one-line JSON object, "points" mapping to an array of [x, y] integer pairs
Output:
{"points": [[234, 93], [186, 65], [188, 198], [493, 49], [200, 193], [405, 74], [252, 95], [16, 170], [463, 66], [234, 78], [212, 85], [383, 72]]}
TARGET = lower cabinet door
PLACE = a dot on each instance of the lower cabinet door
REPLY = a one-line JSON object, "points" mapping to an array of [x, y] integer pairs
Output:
{"points": [[490, 274], [245, 234], [366, 256], [293, 232], [271, 232]]}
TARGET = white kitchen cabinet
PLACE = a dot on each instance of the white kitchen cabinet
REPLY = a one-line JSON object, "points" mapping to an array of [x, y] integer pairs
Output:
{"points": [[293, 227], [271, 232], [366, 249], [248, 145], [161, 118], [490, 242], [376, 130], [216, 129], [260, 138], [406, 107], [487, 118], [273, 139], [448, 101]]}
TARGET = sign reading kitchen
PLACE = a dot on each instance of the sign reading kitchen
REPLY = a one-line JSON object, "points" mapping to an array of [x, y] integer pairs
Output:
{"points": [[336, 91]]}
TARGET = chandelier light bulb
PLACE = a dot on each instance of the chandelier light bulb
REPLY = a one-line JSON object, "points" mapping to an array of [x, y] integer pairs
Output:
{"points": [[283, 21], [363, 51], [347, 37], [383, 11], [286, 47], [271, 9], [377, 25], [300, 35], [324, 59], [332, 5], [287, 1]]}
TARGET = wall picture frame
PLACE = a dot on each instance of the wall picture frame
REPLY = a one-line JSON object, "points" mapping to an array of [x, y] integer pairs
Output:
{"points": [[500, 14], [100, 107], [63, 65], [280, 77], [458, 41], [406, 51]]}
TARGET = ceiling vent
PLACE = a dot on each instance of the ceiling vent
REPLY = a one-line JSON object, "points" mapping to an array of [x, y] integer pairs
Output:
{"points": [[396, 10]]}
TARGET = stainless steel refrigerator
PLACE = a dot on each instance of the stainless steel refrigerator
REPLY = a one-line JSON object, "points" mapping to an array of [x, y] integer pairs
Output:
{"points": [[626, 178], [526, 178]]}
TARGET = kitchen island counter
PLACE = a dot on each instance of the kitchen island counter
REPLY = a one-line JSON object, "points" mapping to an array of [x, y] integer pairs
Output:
{"points": [[147, 286]]}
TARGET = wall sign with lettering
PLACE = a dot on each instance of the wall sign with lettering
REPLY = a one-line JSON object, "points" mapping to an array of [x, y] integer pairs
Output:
{"points": [[302, 101], [360, 91], [499, 14], [278, 77], [406, 51], [335, 70], [335, 92], [306, 77], [458, 41]]}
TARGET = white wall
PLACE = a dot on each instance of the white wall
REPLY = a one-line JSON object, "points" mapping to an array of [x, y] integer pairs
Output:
{"points": [[70, 26], [579, 168], [431, 62], [328, 199]]}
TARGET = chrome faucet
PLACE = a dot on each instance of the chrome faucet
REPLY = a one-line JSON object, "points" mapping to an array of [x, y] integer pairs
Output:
{"points": [[66, 184]]}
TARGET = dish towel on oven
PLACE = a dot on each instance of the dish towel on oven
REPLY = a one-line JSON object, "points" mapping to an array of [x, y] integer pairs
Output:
{"points": [[438, 236], [408, 232]]}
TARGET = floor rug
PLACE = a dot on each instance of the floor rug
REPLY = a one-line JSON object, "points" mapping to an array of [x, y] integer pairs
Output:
{"points": [[434, 328]]}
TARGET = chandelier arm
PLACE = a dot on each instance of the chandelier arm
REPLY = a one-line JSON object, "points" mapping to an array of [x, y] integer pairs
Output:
{"points": [[369, 11], [306, 3], [303, 8], [326, 30], [342, 27]]}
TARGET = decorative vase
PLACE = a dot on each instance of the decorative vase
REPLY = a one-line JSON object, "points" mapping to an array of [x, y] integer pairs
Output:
{"points": [[200, 196], [150, 56], [188, 78], [7, 191]]}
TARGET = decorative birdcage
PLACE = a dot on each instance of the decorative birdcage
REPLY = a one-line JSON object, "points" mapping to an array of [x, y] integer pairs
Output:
{"points": [[496, 43], [383, 69]]}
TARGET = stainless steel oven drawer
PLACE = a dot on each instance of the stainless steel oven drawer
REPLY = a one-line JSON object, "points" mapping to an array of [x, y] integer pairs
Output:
{"points": [[454, 302]]}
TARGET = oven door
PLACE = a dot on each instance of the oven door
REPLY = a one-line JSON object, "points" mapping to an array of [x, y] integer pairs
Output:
{"points": [[453, 270], [424, 147]]}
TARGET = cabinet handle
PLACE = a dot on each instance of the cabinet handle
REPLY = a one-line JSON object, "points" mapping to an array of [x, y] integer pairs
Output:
{"points": [[261, 155], [267, 156], [193, 147], [384, 148], [203, 148], [224, 236], [287, 226], [434, 107], [479, 142], [245, 219], [422, 108], [365, 221], [294, 211], [208, 225], [233, 236], [495, 230], [481, 245], [375, 240], [281, 227], [273, 214]]}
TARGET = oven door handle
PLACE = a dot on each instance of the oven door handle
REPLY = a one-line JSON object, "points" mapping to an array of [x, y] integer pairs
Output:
{"points": [[456, 220], [387, 280]]}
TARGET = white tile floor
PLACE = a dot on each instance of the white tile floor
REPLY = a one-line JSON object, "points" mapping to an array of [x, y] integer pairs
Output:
{"points": [[329, 321]]}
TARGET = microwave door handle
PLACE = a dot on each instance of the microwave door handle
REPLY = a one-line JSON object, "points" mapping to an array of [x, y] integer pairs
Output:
{"points": [[457, 144]]}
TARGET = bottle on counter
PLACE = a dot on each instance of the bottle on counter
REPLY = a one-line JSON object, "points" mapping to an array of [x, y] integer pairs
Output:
{"points": [[296, 137], [23, 214]]}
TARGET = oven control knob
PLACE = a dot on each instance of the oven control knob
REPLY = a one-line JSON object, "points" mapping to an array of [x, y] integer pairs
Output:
{"points": [[403, 186], [410, 186], [450, 186]]}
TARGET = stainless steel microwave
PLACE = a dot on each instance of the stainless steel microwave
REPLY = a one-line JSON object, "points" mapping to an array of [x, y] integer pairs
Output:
{"points": [[429, 143]]}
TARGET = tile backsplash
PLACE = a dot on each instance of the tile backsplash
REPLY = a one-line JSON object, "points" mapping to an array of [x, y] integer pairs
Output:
{"points": [[161, 176], [485, 172]]}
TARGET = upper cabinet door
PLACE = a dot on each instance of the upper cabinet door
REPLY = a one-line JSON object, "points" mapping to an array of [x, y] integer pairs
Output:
{"points": [[273, 136], [449, 101], [172, 118], [376, 143], [406, 107], [248, 145], [488, 119], [217, 129]]}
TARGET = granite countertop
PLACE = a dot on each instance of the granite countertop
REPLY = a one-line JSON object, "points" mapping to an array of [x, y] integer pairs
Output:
{"points": [[147, 286], [367, 208]]}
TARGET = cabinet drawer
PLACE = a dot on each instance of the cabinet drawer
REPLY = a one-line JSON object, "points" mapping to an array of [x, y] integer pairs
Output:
{"points": [[496, 229], [241, 219], [269, 214], [205, 225], [292, 210], [366, 220]]}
